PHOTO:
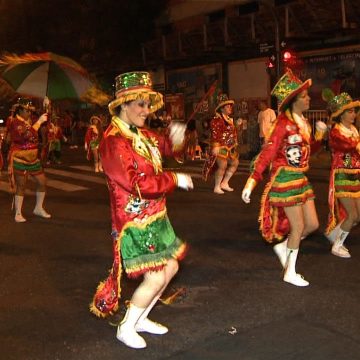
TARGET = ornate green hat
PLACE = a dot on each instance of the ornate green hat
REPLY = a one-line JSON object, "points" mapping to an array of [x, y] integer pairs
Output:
{"points": [[288, 87], [132, 86], [223, 100], [339, 103]]}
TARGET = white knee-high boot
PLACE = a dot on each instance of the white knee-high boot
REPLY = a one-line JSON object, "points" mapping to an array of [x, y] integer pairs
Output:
{"points": [[280, 251], [290, 274], [338, 248], [19, 199], [333, 233], [126, 332], [144, 324], [39, 210]]}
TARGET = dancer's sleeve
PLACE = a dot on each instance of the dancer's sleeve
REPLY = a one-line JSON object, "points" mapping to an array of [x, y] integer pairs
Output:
{"points": [[120, 167]]}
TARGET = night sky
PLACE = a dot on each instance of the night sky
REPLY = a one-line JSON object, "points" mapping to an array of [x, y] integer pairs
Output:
{"points": [[104, 36]]}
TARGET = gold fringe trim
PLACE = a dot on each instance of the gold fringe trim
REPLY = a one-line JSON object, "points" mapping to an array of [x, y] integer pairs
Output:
{"points": [[92, 306], [289, 183], [266, 193], [347, 171], [348, 195], [263, 200], [290, 198], [155, 98]]}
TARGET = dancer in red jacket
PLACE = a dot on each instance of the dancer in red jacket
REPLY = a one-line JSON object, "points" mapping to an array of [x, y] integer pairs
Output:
{"points": [[144, 241], [224, 146], [287, 205], [344, 184]]}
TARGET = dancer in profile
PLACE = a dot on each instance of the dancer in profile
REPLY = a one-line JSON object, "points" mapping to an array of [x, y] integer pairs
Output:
{"points": [[287, 205], [344, 184], [144, 241]]}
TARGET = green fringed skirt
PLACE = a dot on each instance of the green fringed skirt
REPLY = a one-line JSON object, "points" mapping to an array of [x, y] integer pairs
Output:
{"points": [[347, 185], [290, 188], [149, 248]]}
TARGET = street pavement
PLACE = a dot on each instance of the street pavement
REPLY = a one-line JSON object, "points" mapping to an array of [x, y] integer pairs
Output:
{"points": [[233, 302]]}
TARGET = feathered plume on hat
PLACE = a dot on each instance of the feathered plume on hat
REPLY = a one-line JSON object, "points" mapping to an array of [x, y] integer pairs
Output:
{"points": [[337, 104]]}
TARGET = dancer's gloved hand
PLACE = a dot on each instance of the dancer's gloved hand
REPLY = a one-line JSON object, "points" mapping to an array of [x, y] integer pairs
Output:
{"points": [[321, 130], [248, 188], [184, 181], [177, 133], [43, 118], [321, 126], [246, 195]]}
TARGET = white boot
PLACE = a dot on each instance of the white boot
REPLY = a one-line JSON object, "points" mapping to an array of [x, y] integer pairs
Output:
{"points": [[144, 324], [333, 233], [18, 207], [280, 251], [126, 332], [39, 210], [338, 248], [290, 275]]}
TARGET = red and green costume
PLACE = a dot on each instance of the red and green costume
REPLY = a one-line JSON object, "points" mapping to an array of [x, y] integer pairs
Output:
{"points": [[345, 170], [92, 140], [23, 154], [224, 136], [287, 153], [143, 238]]}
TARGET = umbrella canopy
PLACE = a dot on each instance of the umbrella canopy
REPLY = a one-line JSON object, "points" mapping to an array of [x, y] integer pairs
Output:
{"points": [[45, 74]]}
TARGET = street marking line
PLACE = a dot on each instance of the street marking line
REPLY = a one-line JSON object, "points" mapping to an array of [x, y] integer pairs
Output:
{"points": [[5, 187], [61, 185], [82, 167], [72, 175]]}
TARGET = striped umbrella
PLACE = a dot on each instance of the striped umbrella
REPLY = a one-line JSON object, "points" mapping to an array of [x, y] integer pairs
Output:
{"points": [[45, 74]]}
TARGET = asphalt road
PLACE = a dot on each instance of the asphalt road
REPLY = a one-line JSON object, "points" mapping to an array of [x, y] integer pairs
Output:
{"points": [[234, 303]]}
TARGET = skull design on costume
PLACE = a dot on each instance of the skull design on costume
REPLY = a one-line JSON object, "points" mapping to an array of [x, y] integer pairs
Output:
{"points": [[293, 155]]}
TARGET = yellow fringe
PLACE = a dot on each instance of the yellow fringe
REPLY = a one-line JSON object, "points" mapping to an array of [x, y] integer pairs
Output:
{"points": [[92, 306], [347, 171], [291, 198], [283, 185]]}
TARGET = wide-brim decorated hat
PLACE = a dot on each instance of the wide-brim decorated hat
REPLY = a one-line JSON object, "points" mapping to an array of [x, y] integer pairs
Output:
{"points": [[94, 119], [337, 104], [23, 103], [288, 87], [223, 100], [132, 86]]}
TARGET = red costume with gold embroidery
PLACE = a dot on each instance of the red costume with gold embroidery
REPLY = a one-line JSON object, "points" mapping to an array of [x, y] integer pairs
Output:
{"points": [[223, 134], [287, 151], [143, 238], [23, 154], [345, 170]]}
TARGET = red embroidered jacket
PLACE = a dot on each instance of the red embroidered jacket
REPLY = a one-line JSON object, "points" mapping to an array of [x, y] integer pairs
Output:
{"points": [[288, 146], [23, 136], [132, 176], [223, 132], [344, 153]]}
